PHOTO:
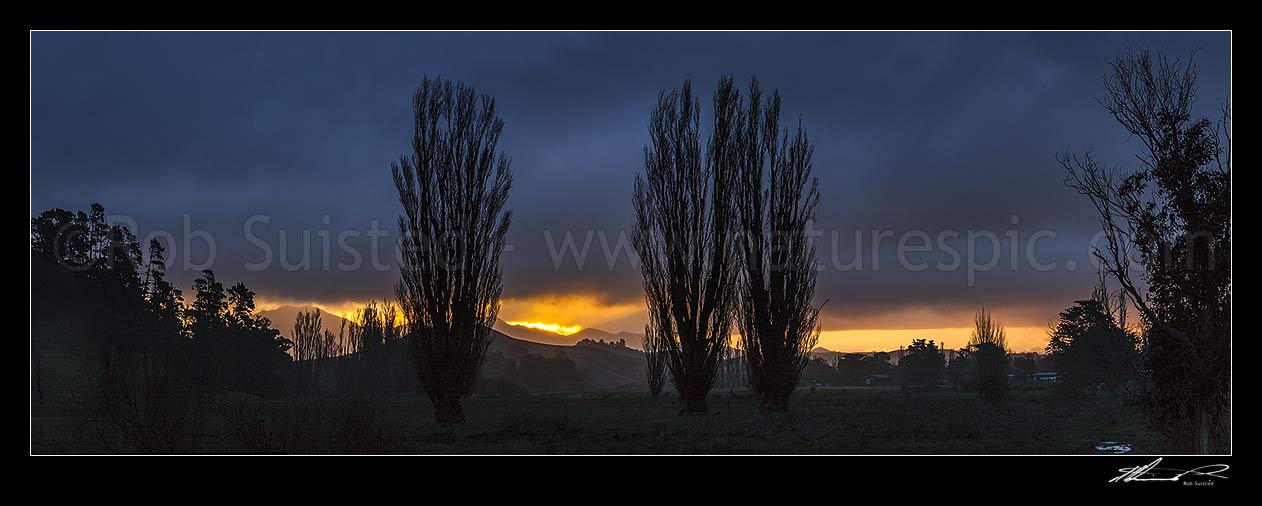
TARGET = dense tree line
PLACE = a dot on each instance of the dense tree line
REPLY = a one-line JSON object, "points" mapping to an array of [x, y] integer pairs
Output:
{"points": [[150, 360], [134, 309]]}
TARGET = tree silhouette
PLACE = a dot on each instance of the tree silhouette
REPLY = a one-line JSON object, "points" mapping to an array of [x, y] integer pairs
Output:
{"points": [[312, 347], [208, 329], [961, 372], [210, 305], [988, 350], [1088, 344], [135, 369], [60, 236], [114, 266], [923, 363], [453, 189], [98, 232], [374, 328], [655, 358], [165, 301], [234, 348], [257, 352], [683, 236], [776, 198], [1172, 213]]}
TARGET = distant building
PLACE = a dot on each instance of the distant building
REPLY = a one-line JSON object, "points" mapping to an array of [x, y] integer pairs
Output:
{"points": [[1045, 378], [876, 379], [1037, 379]]}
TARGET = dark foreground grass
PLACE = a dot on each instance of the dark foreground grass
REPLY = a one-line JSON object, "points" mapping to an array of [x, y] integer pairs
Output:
{"points": [[835, 421]]}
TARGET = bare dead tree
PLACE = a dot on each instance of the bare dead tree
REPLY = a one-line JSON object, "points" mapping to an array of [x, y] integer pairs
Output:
{"points": [[348, 360], [320, 426], [988, 347], [655, 358], [776, 199], [312, 348], [142, 399], [683, 235], [1172, 217], [453, 188], [372, 329]]}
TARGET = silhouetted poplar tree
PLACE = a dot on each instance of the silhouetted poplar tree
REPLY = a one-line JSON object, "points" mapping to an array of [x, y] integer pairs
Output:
{"points": [[373, 329], [685, 223], [988, 349], [776, 199], [453, 188], [312, 347]]}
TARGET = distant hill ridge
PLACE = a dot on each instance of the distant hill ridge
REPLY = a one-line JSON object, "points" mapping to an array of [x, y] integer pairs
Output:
{"points": [[283, 318], [606, 366], [542, 336]]}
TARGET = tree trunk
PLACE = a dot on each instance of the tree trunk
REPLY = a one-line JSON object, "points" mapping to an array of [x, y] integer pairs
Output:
{"points": [[694, 404], [775, 398], [448, 411], [1202, 429]]}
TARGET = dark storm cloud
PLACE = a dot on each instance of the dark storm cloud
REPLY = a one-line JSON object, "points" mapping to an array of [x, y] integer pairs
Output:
{"points": [[913, 131]]}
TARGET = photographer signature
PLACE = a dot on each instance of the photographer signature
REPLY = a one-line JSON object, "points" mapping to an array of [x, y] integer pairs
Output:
{"points": [[1151, 472]]}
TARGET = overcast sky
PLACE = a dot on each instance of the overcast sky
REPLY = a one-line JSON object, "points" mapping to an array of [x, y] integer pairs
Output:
{"points": [[912, 131]]}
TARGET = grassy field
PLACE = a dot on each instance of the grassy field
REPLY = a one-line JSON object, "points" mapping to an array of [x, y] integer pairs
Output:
{"points": [[860, 420]]}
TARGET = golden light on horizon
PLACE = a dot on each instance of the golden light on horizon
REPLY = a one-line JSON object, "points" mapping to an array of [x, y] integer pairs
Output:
{"points": [[577, 310], [582, 311], [1020, 339], [555, 328]]}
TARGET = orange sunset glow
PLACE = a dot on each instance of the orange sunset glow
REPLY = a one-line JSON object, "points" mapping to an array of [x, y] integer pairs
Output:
{"points": [[576, 311], [568, 314], [554, 328], [950, 330], [1020, 339], [344, 309]]}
